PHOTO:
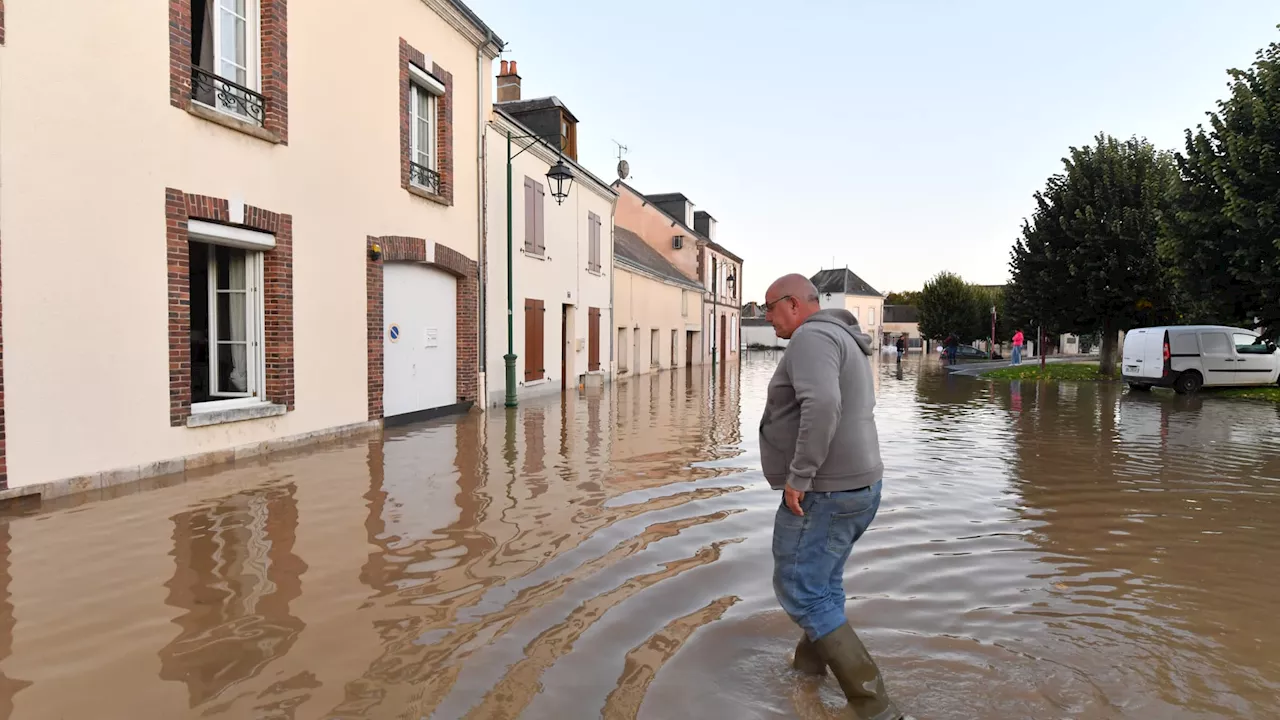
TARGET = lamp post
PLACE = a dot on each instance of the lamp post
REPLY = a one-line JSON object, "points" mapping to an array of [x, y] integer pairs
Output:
{"points": [[557, 176]]}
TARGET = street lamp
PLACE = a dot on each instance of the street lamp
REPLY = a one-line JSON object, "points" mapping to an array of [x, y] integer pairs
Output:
{"points": [[732, 282], [556, 178]]}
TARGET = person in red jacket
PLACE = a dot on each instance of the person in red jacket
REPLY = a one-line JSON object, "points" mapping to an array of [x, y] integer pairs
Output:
{"points": [[1017, 347]]}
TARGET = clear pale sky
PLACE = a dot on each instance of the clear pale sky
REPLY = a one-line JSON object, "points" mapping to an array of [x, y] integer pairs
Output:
{"points": [[899, 138]]}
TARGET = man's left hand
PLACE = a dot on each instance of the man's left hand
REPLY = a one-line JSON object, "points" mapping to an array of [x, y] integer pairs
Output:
{"points": [[793, 498]]}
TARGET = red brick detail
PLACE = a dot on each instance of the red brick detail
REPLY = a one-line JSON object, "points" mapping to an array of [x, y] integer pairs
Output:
{"points": [[273, 21], [1, 43], [407, 249], [277, 296], [373, 322], [444, 120], [4, 465]]}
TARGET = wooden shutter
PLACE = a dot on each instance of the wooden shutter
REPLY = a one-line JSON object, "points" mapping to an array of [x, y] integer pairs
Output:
{"points": [[593, 339], [593, 242], [540, 219], [530, 217], [534, 319]]}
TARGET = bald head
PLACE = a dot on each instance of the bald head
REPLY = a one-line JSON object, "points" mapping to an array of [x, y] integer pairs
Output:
{"points": [[794, 285], [790, 300]]}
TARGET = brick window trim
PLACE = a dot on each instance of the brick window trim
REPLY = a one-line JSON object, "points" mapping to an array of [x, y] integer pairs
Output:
{"points": [[1, 43], [277, 296], [408, 249], [274, 50], [444, 124]]}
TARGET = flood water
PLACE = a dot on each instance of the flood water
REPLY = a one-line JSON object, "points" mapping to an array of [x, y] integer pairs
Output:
{"points": [[1041, 552]]}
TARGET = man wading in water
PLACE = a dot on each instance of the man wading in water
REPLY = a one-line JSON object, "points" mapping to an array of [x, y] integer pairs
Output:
{"points": [[818, 444]]}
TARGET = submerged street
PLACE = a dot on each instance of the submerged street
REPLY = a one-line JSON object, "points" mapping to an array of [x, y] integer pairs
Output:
{"points": [[1041, 551]]}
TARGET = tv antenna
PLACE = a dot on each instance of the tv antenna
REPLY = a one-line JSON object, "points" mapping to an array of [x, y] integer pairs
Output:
{"points": [[624, 167]]}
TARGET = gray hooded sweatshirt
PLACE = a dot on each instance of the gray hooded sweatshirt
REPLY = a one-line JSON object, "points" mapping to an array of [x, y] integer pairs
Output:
{"points": [[819, 431]]}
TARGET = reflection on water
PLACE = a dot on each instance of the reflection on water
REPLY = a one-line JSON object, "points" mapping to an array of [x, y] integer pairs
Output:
{"points": [[1042, 551]]}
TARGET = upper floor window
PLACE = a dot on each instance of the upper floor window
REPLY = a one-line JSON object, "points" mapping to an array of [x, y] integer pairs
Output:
{"points": [[225, 65], [593, 242], [535, 242], [424, 92], [568, 137], [871, 316]]}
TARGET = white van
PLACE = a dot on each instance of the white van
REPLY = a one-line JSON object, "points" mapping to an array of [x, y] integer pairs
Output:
{"points": [[1188, 357]]}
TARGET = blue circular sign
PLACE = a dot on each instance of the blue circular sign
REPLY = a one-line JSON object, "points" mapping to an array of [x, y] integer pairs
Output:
{"points": [[395, 333]]}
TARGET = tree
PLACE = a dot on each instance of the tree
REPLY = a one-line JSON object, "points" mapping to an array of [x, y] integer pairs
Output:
{"points": [[906, 297], [1223, 237], [1088, 258], [947, 306]]}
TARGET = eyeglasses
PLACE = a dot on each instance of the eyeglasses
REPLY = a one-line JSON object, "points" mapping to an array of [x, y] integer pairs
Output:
{"points": [[768, 307]]}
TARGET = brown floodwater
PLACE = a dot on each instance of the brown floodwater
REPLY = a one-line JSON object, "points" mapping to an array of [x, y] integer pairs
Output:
{"points": [[1046, 551]]}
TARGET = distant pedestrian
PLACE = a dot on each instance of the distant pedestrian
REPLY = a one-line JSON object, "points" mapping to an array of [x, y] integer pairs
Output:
{"points": [[952, 345], [1017, 347], [902, 346], [819, 445]]}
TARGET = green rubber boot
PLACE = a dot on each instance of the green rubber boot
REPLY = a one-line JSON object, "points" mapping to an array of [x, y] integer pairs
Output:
{"points": [[857, 674], [807, 659]]}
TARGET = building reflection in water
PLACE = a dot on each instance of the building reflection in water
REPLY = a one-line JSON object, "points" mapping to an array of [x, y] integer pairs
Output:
{"points": [[488, 518], [9, 687], [235, 577]]}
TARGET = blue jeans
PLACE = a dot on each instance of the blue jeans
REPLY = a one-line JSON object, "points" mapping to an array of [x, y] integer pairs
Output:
{"points": [[810, 551], [1017, 354]]}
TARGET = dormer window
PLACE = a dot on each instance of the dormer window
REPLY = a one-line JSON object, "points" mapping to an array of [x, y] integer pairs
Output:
{"points": [[568, 136]]}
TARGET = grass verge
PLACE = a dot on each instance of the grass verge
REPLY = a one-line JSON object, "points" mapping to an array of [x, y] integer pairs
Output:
{"points": [[1268, 393], [1086, 372]]}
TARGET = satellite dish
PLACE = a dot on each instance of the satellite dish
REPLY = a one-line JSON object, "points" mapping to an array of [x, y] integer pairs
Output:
{"points": [[624, 169]]}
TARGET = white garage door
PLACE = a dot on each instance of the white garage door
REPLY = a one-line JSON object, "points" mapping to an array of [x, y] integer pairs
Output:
{"points": [[420, 338]]}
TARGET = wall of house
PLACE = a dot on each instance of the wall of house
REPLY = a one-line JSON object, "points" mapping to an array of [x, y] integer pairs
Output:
{"points": [[911, 329], [643, 305], [762, 336], [727, 308], [84, 227], [646, 220], [558, 277]]}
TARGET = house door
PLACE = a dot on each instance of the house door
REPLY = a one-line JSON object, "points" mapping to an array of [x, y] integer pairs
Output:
{"points": [[688, 347], [420, 361], [564, 347], [724, 341], [593, 339]]}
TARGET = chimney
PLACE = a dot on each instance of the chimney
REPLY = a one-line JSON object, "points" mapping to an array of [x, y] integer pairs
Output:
{"points": [[508, 82]]}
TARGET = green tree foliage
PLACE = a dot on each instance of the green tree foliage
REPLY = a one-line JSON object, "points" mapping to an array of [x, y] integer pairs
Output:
{"points": [[948, 305], [1223, 237], [1087, 259], [906, 297]]}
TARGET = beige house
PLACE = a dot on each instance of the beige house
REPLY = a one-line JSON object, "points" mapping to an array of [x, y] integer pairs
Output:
{"points": [[657, 309], [255, 249], [562, 254], [841, 288], [668, 223]]}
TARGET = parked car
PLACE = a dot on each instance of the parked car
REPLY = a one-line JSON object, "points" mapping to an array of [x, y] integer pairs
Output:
{"points": [[1188, 357], [968, 352]]}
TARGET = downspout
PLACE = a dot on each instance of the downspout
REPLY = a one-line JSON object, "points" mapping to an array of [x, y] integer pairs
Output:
{"points": [[613, 271], [482, 230]]}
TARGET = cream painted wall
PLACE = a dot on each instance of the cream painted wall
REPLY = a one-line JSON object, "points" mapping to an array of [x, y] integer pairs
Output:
{"points": [[559, 277], [654, 227], [868, 309], [644, 304], [727, 308], [82, 216]]}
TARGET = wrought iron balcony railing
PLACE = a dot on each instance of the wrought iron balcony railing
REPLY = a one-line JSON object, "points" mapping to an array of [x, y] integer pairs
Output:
{"points": [[424, 177], [219, 92]]}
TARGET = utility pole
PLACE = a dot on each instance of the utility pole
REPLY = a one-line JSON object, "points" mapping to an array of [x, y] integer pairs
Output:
{"points": [[1040, 349]]}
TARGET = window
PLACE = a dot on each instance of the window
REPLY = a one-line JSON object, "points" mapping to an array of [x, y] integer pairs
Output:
{"points": [[534, 320], [534, 221], [675, 345], [422, 138], [593, 242], [226, 322], [684, 303], [568, 137], [871, 316], [622, 349], [224, 57], [1249, 344], [1214, 344], [654, 348]]}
